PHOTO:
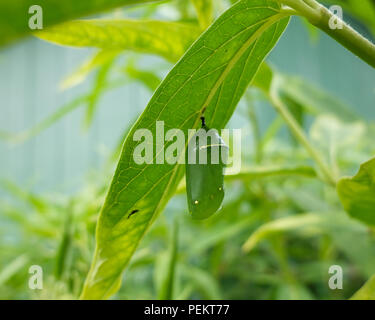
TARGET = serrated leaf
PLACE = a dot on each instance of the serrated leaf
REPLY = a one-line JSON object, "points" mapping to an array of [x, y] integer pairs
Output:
{"points": [[144, 36], [14, 15], [211, 78], [357, 194]]}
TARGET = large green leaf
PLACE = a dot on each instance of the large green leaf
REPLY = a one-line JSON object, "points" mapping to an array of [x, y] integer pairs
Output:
{"points": [[14, 15], [145, 36], [357, 194], [210, 78]]}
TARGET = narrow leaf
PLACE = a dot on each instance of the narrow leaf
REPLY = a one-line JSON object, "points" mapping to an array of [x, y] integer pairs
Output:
{"points": [[144, 36]]}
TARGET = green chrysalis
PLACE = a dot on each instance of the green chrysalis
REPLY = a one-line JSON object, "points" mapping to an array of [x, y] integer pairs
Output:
{"points": [[205, 162]]}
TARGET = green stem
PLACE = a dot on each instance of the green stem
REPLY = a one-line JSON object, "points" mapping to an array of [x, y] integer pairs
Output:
{"points": [[320, 16], [300, 135]]}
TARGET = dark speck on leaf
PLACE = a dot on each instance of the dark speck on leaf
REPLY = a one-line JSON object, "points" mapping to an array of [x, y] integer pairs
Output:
{"points": [[131, 213]]}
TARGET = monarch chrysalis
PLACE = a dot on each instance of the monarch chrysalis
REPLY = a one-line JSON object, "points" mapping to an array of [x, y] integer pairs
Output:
{"points": [[204, 181]]}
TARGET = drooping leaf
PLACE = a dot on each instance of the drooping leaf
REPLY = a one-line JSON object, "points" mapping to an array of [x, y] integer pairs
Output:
{"points": [[144, 36], [14, 15], [210, 78], [357, 194]]}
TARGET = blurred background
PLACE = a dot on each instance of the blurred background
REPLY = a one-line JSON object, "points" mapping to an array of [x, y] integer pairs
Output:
{"points": [[60, 175]]}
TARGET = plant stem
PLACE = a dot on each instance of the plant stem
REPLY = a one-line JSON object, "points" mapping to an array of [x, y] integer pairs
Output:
{"points": [[300, 136], [320, 16]]}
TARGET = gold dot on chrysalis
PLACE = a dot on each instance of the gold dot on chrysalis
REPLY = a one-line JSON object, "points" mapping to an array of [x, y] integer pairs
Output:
{"points": [[220, 188], [196, 202]]}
